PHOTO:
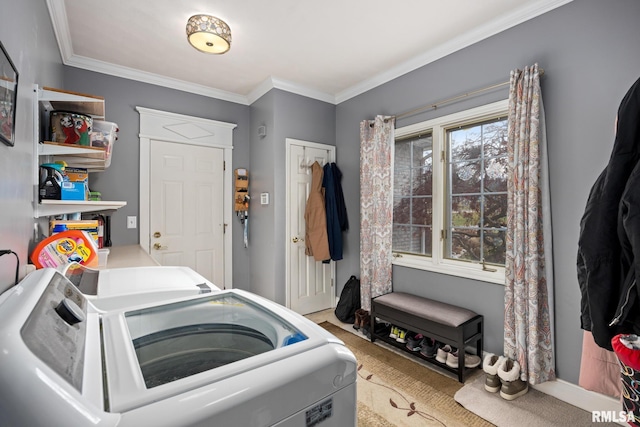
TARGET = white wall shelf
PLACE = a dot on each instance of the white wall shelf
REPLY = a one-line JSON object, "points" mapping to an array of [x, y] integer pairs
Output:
{"points": [[91, 158]]}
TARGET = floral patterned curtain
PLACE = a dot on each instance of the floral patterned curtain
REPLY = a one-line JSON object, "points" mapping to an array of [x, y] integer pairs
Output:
{"points": [[376, 207], [528, 328]]}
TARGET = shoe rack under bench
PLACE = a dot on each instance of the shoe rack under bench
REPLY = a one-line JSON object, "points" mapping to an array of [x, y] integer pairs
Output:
{"points": [[467, 333]]}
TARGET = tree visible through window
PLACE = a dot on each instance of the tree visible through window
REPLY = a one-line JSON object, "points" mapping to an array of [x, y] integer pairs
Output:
{"points": [[450, 193], [477, 192]]}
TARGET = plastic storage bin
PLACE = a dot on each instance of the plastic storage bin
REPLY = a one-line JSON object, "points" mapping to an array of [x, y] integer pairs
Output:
{"points": [[104, 135]]}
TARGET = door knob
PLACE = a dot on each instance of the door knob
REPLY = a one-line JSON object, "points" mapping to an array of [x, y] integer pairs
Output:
{"points": [[294, 240], [158, 246], [157, 234]]}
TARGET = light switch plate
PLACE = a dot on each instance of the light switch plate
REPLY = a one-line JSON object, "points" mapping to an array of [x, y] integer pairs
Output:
{"points": [[264, 198]]}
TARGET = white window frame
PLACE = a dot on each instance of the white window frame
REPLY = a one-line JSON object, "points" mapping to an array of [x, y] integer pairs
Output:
{"points": [[437, 263]]}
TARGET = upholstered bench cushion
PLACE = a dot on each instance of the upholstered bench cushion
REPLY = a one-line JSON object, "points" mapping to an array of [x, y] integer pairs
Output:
{"points": [[426, 308]]}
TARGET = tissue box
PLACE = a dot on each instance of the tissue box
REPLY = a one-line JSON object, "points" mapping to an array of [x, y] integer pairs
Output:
{"points": [[75, 184]]}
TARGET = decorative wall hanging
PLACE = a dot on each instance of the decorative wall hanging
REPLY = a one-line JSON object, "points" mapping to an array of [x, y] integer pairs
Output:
{"points": [[8, 96]]}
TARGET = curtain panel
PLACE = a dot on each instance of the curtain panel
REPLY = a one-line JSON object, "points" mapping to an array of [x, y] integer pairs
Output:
{"points": [[376, 207], [528, 329]]}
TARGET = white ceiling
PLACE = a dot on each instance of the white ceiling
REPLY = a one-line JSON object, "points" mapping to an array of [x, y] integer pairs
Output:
{"points": [[330, 50]]}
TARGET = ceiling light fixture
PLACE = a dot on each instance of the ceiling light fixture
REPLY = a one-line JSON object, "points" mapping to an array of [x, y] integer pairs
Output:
{"points": [[209, 34]]}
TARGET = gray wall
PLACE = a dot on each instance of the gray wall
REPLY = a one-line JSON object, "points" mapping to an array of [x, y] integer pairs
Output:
{"points": [[121, 180], [589, 51], [286, 115], [27, 35]]}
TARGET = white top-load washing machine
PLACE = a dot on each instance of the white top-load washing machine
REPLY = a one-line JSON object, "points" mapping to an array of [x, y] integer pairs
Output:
{"points": [[226, 358], [112, 288]]}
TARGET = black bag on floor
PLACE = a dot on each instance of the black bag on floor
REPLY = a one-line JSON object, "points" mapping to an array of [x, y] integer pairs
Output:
{"points": [[349, 301]]}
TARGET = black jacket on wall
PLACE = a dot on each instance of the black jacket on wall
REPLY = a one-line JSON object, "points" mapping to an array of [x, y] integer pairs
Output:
{"points": [[609, 243]]}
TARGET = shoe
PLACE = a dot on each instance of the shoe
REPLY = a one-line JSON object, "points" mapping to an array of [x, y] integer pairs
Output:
{"points": [[512, 386], [394, 332], [471, 360], [429, 347], [402, 336], [490, 367], [452, 359], [365, 322], [442, 352], [413, 341], [358, 321]]}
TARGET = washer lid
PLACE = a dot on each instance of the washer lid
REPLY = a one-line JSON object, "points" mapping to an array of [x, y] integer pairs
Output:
{"points": [[159, 351]]}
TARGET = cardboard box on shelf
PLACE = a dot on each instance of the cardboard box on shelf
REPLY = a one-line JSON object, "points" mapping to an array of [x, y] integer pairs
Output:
{"points": [[89, 225], [75, 184]]}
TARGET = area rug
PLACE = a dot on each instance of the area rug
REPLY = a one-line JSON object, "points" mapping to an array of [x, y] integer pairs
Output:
{"points": [[396, 391], [532, 409]]}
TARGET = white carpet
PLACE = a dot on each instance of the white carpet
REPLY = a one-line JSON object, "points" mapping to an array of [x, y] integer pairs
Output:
{"points": [[534, 409]]}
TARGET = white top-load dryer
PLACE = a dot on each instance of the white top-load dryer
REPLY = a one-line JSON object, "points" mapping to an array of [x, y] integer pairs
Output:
{"points": [[226, 358]]}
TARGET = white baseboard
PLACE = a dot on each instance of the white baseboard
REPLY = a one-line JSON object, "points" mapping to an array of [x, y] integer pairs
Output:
{"points": [[580, 397]]}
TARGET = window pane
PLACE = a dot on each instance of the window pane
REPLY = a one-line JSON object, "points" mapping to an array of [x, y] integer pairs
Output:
{"points": [[416, 240], [495, 174], [422, 211], [495, 211], [413, 187], [423, 182], [494, 246], [401, 182], [466, 177], [401, 238], [402, 210], [477, 186], [465, 144], [465, 211], [465, 244], [494, 138], [423, 152]]}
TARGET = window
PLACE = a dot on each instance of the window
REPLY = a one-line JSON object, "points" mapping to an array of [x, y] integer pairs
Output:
{"points": [[450, 194]]}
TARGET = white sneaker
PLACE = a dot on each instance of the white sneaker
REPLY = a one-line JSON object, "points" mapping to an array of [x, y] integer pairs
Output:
{"points": [[452, 359], [442, 354]]}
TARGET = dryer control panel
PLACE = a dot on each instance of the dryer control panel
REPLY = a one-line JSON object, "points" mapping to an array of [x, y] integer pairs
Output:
{"points": [[55, 331]]}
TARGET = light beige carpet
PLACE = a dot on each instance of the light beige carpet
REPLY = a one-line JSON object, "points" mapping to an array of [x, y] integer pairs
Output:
{"points": [[396, 391], [533, 409]]}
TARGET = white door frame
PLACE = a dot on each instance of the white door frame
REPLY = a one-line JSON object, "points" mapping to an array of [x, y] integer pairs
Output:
{"points": [[180, 129], [332, 151]]}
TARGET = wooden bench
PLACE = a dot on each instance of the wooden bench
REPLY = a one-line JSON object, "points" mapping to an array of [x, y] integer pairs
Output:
{"points": [[443, 322]]}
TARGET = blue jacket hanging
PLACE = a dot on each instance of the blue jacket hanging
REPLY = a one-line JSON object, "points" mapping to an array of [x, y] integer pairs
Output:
{"points": [[335, 207]]}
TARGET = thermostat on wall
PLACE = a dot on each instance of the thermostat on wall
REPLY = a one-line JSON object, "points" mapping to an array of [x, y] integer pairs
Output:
{"points": [[264, 198]]}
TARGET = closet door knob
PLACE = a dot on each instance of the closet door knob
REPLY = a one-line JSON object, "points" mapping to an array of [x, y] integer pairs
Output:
{"points": [[295, 240]]}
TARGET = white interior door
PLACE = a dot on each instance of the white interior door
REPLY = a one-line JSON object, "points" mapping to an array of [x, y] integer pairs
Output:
{"points": [[310, 286], [186, 208]]}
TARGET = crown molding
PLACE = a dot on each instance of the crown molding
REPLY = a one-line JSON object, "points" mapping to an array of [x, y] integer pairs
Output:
{"points": [[155, 79], [275, 83], [58, 14], [464, 40], [61, 30]]}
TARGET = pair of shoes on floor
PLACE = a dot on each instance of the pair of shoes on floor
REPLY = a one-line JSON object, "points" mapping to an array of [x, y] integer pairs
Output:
{"points": [[503, 375], [450, 357], [398, 334], [443, 352], [429, 347], [361, 319], [470, 360], [414, 341]]}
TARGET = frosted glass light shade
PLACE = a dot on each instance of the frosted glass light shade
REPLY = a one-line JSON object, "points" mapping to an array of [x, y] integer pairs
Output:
{"points": [[209, 34]]}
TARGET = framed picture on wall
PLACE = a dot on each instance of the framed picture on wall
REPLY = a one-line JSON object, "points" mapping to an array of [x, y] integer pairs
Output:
{"points": [[8, 96]]}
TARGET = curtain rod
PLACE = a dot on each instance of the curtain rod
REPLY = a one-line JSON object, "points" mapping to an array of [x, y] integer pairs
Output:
{"points": [[435, 105]]}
